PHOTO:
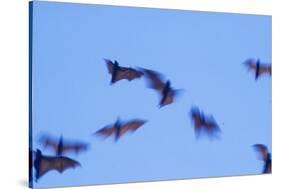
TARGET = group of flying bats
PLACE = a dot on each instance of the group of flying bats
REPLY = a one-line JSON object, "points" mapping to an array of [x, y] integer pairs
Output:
{"points": [[202, 123]]}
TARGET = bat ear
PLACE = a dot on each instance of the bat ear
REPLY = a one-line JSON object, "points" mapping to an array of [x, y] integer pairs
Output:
{"points": [[38, 153]]}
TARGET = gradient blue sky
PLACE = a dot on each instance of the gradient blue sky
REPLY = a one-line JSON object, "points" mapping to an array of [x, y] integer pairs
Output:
{"points": [[199, 52]]}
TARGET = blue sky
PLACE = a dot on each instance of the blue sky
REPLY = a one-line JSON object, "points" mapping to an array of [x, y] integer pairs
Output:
{"points": [[199, 52]]}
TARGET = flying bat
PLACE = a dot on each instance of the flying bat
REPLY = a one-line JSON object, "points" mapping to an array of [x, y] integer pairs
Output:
{"points": [[265, 156], [257, 67], [118, 73], [156, 81], [44, 164], [60, 146], [120, 128], [203, 123]]}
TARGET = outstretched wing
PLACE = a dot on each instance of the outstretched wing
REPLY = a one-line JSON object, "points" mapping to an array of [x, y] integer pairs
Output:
{"points": [[131, 126], [109, 65], [211, 126], [133, 74], [106, 131], [49, 142], [251, 64], [196, 117], [168, 99], [59, 164], [76, 147], [262, 150], [128, 73], [155, 79], [63, 163], [265, 69]]}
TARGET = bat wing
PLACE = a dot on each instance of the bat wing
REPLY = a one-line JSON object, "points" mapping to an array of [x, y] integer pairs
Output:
{"points": [[168, 99], [49, 163], [106, 131], [63, 163], [251, 64], [133, 74], [197, 121], [131, 126], [155, 79], [211, 127], [44, 167], [127, 73], [77, 147], [196, 117], [109, 65], [49, 143], [262, 150], [265, 69]]}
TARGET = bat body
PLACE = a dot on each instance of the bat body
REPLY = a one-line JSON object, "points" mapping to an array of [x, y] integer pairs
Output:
{"points": [[265, 156], [258, 68], [44, 164], [30, 164], [164, 88], [203, 123], [118, 129], [60, 147], [118, 73]]}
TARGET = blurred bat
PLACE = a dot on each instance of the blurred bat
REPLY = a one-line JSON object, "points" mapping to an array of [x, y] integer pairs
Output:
{"points": [[157, 82], [203, 123], [118, 128], [257, 67], [44, 164], [60, 147], [265, 156], [118, 73]]}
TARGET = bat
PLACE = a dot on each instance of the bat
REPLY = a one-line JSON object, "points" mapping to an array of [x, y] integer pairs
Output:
{"points": [[203, 123], [44, 164], [118, 73], [119, 129], [60, 147], [265, 156], [257, 67], [164, 88]]}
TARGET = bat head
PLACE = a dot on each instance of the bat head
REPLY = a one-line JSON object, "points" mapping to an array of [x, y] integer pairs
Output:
{"points": [[194, 111], [116, 63], [258, 61], [168, 84], [60, 146], [38, 154]]}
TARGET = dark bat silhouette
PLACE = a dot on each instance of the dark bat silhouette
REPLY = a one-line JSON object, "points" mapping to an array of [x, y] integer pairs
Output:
{"points": [[265, 156], [157, 82], [118, 128], [257, 67], [203, 123], [118, 73], [44, 164], [60, 147], [30, 165]]}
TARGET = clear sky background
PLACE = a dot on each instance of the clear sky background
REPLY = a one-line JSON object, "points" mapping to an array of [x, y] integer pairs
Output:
{"points": [[199, 52]]}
